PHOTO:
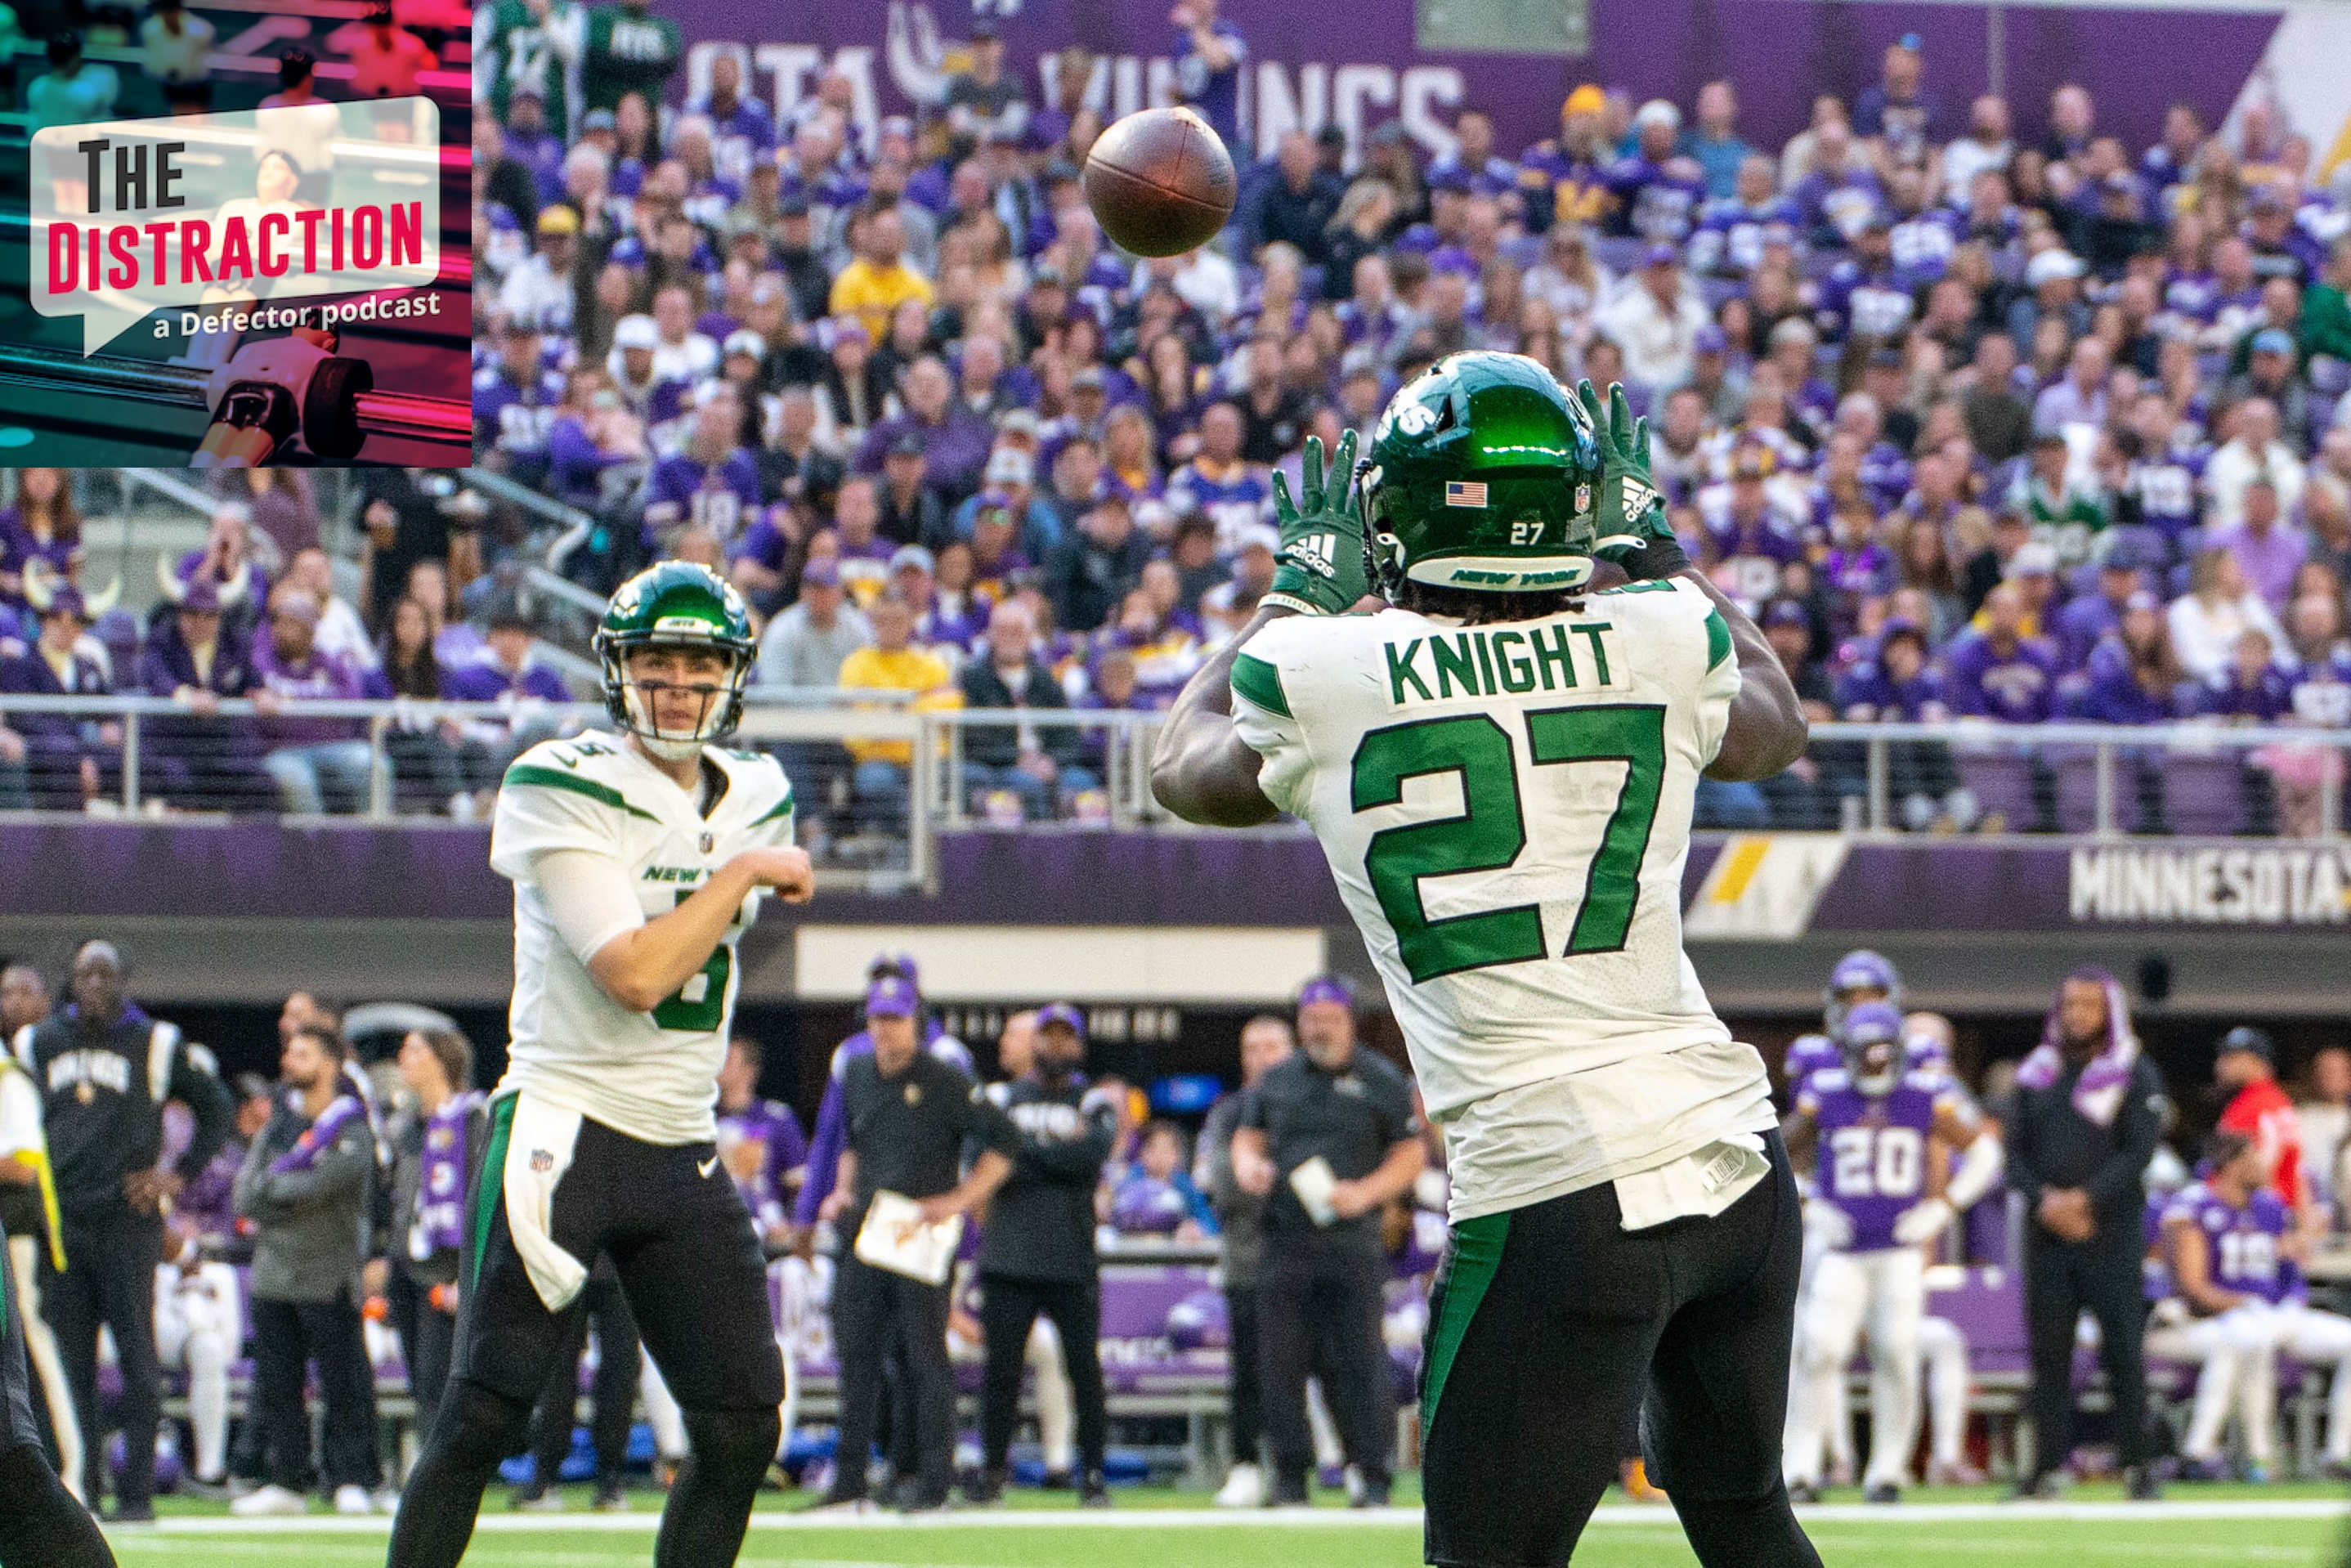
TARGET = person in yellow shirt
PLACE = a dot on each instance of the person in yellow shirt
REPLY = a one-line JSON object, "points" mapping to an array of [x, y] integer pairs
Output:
{"points": [[891, 662], [879, 280]]}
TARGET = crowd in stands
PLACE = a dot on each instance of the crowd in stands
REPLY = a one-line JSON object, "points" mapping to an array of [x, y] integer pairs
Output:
{"points": [[255, 613], [1996, 417]]}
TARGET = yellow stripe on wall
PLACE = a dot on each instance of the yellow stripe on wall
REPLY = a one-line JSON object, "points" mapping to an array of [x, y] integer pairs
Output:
{"points": [[1742, 859]]}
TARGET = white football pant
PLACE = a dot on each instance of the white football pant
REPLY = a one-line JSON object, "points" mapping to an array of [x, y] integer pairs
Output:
{"points": [[1835, 1427], [1944, 1349], [2226, 1350], [197, 1328], [1884, 1291], [2307, 1334]]}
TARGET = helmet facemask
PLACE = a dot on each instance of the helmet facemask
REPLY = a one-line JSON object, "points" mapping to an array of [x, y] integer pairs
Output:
{"points": [[721, 706], [1871, 1043]]}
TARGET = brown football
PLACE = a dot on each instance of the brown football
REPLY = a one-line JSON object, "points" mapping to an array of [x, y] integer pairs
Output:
{"points": [[1160, 182]]}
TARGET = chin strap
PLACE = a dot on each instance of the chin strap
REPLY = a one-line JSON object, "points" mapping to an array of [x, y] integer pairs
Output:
{"points": [[1979, 1170]]}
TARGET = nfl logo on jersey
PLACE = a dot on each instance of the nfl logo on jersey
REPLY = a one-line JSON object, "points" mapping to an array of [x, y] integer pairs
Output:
{"points": [[541, 1161]]}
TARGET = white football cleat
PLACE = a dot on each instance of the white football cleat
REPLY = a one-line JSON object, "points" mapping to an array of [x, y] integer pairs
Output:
{"points": [[272, 1500], [1244, 1488]]}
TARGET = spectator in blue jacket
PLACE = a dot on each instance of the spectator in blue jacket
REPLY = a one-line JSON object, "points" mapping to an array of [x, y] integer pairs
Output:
{"points": [[1157, 1197]]}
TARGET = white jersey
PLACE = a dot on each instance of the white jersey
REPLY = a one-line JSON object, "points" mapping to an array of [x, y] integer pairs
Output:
{"points": [[652, 1075], [1505, 809]]}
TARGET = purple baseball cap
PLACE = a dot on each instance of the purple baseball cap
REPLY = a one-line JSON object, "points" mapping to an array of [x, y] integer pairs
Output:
{"points": [[1786, 612], [1708, 339], [1063, 1013], [1661, 255], [1327, 988], [1901, 626], [821, 573], [894, 963], [890, 996]]}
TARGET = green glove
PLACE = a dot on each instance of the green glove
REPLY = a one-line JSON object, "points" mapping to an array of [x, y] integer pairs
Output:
{"points": [[1319, 569], [1629, 515]]}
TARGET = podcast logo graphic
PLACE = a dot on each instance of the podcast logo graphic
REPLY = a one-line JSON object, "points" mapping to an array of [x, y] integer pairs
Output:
{"points": [[235, 222]]}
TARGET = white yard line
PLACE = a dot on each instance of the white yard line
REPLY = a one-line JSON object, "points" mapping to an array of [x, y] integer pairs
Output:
{"points": [[1612, 1515]]}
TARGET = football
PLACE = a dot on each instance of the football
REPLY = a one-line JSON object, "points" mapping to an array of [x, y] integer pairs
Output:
{"points": [[1160, 182]]}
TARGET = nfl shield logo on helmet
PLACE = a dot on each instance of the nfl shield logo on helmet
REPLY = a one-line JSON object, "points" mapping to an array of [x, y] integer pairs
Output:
{"points": [[542, 1162], [1465, 492]]}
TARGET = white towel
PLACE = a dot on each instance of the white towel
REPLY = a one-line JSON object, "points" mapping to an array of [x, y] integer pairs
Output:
{"points": [[539, 1151], [1704, 1182]]}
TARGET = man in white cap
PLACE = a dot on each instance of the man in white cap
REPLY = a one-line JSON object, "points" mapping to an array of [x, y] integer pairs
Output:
{"points": [[631, 362], [2054, 278]]}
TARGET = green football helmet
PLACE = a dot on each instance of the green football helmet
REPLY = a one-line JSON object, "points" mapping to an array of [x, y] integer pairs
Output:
{"points": [[683, 603], [1481, 476]]}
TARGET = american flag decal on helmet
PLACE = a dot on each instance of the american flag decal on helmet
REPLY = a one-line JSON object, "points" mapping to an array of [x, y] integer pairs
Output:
{"points": [[1461, 493]]}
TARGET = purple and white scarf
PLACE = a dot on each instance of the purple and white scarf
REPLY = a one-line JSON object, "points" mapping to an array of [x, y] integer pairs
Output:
{"points": [[320, 1135], [2098, 1093], [439, 1220]]}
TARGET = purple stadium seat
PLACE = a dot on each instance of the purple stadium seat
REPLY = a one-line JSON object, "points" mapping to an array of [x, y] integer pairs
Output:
{"points": [[2205, 795], [2003, 783]]}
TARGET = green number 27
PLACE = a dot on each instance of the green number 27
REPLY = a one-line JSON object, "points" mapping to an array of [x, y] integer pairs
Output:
{"points": [[1491, 832], [699, 1006]]}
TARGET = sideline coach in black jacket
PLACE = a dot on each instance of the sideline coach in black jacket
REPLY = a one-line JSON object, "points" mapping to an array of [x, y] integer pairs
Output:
{"points": [[1036, 1254], [105, 1068], [2089, 1109]]}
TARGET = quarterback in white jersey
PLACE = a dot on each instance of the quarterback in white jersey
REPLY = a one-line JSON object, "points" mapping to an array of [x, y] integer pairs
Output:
{"points": [[1500, 763], [650, 1073], [638, 857]]}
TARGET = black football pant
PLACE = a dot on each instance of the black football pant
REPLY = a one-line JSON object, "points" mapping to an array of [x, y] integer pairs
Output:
{"points": [[110, 1280], [1546, 1325], [286, 1337], [1318, 1312], [618, 1358], [2061, 1280], [428, 1337], [874, 1308], [1247, 1411], [1008, 1311], [690, 1264]]}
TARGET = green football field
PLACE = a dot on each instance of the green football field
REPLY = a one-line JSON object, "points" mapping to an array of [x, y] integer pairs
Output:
{"points": [[1156, 1529]]}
